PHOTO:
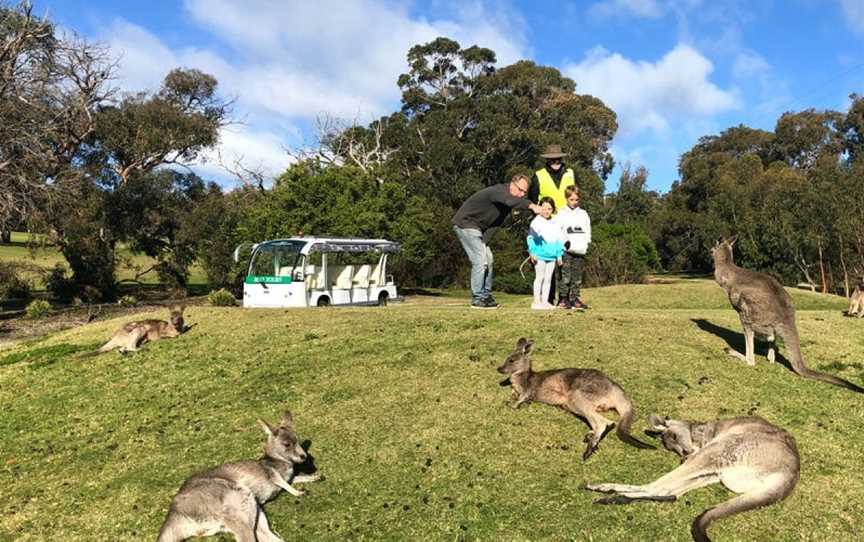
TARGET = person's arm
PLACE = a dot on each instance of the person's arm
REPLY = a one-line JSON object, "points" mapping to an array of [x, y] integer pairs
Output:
{"points": [[588, 228], [504, 196]]}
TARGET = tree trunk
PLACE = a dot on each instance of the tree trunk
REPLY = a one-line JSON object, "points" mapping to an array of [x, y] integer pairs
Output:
{"points": [[845, 271], [822, 268], [5, 236]]}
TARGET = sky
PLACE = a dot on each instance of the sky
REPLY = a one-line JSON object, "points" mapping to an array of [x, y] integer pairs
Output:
{"points": [[672, 70]]}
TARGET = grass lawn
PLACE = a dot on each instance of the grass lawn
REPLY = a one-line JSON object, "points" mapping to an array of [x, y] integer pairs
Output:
{"points": [[407, 419], [47, 257]]}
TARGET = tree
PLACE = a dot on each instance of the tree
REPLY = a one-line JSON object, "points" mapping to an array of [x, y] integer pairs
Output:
{"points": [[171, 126], [50, 90]]}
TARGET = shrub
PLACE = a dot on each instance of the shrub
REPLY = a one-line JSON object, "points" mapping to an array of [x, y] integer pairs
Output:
{"points": [[12, 284], [38, 309], [221, 298], [127, 301], [60, 285], [619, 254]]}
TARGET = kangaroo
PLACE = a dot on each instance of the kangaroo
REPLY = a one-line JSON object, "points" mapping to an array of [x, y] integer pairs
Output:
{"points": [[132, 335], [583, 392], [766, 309], [229, 497], [856, 300], [748, 455]]}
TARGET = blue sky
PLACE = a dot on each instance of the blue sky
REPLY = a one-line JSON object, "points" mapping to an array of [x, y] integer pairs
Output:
{"points": [[673, 70]]}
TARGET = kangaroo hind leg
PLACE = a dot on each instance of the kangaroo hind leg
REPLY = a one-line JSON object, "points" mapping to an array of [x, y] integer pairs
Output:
{"points": [[263, 529], [600, 425]]}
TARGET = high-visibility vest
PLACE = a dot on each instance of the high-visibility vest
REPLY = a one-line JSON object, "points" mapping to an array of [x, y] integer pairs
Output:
{"points": [[548, 188]]}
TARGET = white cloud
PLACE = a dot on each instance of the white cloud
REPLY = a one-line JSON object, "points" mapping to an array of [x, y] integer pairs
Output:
{"points": [[651, 96], [288, 62], [854, 11], [641, 8]]}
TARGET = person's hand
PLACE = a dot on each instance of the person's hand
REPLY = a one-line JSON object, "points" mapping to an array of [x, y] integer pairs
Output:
{"points": [[533, 260], [534, 208]]}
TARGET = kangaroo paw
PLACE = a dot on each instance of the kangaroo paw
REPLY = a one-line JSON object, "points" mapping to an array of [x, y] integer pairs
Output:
{"points": [[589, 451]]}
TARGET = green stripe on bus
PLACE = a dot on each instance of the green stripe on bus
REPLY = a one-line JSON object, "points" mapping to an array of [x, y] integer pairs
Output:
{"points": [[267, 279]]}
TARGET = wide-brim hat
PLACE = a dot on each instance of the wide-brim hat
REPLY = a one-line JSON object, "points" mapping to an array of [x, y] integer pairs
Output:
{"points": [[553, 151]]}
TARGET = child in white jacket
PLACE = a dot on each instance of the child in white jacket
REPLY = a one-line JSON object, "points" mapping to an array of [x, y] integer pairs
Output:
{"points": [[576, 225]]}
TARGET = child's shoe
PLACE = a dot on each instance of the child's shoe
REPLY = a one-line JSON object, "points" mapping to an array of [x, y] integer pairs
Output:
{"points": [[565, 304]]}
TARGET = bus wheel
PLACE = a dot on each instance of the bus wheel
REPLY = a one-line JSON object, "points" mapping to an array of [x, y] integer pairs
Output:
{"points": [[323, 301], [382, 299]]}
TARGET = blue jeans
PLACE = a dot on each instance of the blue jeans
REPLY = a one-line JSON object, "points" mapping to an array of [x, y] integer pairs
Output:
{"points": [[481, 261]]}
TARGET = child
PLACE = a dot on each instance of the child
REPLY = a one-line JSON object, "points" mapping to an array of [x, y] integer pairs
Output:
{"points": [[545, 247], [576, 225]]}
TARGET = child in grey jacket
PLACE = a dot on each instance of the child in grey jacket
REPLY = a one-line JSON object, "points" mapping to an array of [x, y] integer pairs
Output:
{"points": [[576, 225]]}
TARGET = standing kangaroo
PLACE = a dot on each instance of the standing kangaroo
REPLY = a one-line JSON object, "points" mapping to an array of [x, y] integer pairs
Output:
{"points": [[229, 497], [856, 300], [765, 309], [748, 455], [583, 392], [133, 334]]}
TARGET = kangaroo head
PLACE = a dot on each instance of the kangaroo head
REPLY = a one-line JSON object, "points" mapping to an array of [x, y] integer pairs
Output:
{"points": [[722, 251], [520, 359], [176, 316], [282, 441], [676, 435]]}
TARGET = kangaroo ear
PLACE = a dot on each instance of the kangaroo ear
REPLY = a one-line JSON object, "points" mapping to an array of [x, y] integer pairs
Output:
{"points": [[287, 419], [524, 345], [732, 240], [521, 342], [657, 423], [269, 429]]}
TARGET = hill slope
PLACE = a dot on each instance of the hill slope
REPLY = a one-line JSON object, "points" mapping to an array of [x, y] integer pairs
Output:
{"points": [[406, 419]]}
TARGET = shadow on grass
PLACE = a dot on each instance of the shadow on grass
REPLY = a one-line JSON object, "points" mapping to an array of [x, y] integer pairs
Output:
{"points": [[735, 340], [48, 355], [308, 466]]}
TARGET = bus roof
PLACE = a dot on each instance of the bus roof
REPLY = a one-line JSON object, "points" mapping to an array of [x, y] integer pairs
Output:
{"points": [[337, 244]]}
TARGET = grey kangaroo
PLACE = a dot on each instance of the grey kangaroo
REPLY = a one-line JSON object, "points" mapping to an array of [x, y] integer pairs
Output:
{"points": [[583, 392], [748, 455], [133, 334], [765, 309], [229, 497], [856, 300]]}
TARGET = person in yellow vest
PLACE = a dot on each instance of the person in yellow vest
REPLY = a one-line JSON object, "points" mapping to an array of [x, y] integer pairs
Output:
{"points": [[553, 179]]}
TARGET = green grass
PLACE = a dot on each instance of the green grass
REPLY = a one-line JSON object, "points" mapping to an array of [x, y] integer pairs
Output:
{"points": [[47, 257], [407, 420]]}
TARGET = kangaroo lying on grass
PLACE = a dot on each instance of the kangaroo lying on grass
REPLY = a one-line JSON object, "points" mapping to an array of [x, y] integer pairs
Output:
{"points": [[765, 309], [748, 455], [583, 392], [133, 334], [856, 301], [229, 497]]}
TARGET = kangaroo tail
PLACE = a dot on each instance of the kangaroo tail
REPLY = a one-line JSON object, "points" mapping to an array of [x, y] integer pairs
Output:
{"points": [[625, 411], [107, 347], [797, 362], [757, 498]]}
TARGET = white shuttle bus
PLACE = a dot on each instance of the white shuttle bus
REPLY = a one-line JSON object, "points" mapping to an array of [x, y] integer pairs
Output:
{"points": [[317, 272]]}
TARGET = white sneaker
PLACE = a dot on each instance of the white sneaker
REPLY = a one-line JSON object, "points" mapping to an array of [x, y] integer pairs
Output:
{"points": [[537, 306], [548, 306]]}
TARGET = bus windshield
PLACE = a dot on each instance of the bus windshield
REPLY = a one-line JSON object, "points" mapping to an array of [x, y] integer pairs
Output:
{"points": [[274, 262]]}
